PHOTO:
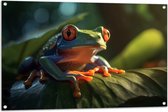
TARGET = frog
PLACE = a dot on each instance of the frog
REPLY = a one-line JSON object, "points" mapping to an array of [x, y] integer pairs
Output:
{"points": [[71, 55]]}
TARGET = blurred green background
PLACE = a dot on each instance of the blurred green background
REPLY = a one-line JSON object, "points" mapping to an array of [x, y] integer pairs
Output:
{"points": [[24, 20]]}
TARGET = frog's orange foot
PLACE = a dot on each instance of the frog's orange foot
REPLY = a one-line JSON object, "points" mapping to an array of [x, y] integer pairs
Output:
{"points": [[87, 73], [82, 75], [103, 70], [106, 71], [86, 78], [114, 70], [77, 93]]}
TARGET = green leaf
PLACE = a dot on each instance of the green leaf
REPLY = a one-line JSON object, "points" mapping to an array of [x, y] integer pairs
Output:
{"points": [[117, 90], [15, 52], [142, 48]]}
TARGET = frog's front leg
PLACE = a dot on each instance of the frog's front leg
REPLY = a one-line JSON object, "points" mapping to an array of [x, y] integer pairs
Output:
{"points": [[54, 71], [105, 67], [99, 64], [102, 66]]}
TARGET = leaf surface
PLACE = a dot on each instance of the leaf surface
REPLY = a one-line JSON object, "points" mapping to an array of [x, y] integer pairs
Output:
{"points": [[102, 92]]}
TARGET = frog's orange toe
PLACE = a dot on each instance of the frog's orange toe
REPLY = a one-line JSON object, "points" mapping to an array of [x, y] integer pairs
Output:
{"points": [[86, 78], [77, 94], [106, 74], [82, 75], [89, 73], [104, 70], [74, 72], [121, 71], [114, 70]]}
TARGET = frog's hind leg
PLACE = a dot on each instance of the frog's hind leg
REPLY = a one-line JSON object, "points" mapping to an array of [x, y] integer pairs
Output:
{"points": [[30, 79], [29, 67], [43, 76], [77, 93]]}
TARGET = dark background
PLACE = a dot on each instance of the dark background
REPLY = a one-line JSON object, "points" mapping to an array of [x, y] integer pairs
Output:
{"points": [[125, 21]]}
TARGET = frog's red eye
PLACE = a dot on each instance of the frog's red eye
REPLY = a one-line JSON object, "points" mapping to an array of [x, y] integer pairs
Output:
{"points": [[69, 32], [106, 34]]}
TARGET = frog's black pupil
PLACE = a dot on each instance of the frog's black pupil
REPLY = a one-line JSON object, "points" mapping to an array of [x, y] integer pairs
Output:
{"points": [[68, 33]]}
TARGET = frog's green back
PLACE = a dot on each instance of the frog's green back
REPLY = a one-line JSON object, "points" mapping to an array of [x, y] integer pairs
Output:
{"points": [[49, 45]]}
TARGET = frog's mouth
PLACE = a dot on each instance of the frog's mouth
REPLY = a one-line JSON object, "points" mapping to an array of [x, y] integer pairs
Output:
{"points": [[82, 54]]}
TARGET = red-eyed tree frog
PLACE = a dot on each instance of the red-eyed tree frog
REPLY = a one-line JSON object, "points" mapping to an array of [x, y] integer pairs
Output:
{"points": [[71, 55]]}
